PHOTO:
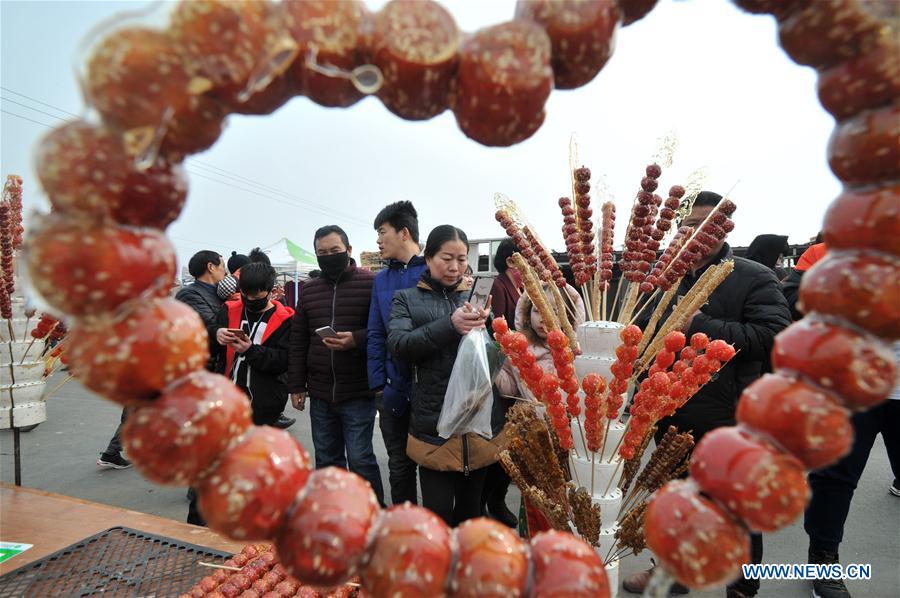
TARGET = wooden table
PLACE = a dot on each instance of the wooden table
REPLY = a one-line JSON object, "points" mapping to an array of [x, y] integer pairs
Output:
{"points": [[53, 521]]}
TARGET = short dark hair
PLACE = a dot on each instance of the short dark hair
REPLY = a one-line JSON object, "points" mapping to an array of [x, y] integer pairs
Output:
{"points": [[505, 250], [255, 277], [707, 198], [442, 234], [237, 261], [400, 215], [330, 229], [258, 256], [199, 261]]}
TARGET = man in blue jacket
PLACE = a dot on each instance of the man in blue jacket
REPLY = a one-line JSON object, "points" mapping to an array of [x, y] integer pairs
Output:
{"points": [[398, 240]]}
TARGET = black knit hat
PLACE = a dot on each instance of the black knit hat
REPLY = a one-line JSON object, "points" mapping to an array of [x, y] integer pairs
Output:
{"points": [[237, 261]]}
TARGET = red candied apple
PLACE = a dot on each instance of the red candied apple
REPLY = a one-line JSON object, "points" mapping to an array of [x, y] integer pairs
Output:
{"points": [[763, 486], [411, 554], [336, 34], [865, 218], [825, 32], [503, 81], [125, 264], [178, 437], [135, 76], [699, 543], [564, 565], [82, 168], [248, 493], [491, 560], [864, 148], [805, 420], [415, 43], [631, 335], [195, 129], [863, 289], [866, 81], [582, 35], [858, 368], [134, 358], [324, 540], [222, 40]]}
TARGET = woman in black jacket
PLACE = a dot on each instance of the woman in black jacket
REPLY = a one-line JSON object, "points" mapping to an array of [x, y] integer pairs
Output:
{"points": [[427, 323]]}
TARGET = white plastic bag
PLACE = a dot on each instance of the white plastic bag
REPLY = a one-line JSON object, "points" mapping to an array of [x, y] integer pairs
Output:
{"points": [[469, 398]]}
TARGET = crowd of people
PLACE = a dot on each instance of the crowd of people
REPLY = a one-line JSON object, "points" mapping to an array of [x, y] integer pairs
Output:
{"points": [[357, 343]]}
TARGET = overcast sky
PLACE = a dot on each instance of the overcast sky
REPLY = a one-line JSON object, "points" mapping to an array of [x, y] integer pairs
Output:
{"points": [[701, 67]]}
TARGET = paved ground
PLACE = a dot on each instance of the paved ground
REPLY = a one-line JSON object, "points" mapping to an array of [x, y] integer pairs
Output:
{"points": [[60, 456]]}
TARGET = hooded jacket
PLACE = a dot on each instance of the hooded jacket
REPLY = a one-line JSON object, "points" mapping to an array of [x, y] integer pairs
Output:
{"points": [[343, 304], [386, 371], [268, 360], [508, 381], [422, 334], [765, 249], [746, 310]]}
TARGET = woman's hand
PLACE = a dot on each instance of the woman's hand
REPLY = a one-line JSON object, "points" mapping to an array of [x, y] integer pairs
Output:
{"points": [[465, 319]]}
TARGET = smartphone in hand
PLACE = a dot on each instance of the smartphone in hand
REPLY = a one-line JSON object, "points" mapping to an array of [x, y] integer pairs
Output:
{"points": [[326, 332], [239, 333]]}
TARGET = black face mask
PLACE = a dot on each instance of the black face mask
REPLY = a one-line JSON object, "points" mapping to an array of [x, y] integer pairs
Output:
{"points": [[332, 265], [255, 305]]}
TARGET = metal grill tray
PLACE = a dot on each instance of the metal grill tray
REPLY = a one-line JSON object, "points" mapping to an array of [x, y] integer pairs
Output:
{"points": [[118, 562]]}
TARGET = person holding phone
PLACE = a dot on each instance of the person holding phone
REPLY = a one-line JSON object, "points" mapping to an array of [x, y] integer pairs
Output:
{"points": [[426, 326], [328, 360], [253, 338]]}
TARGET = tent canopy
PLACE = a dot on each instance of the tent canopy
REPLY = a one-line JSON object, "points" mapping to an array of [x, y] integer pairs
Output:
{"points": [[289, 257]]}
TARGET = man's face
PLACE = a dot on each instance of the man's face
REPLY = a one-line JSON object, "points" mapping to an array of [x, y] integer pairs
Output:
{"points": [[390, 242], [217, 271], [697, 216], [331, 244]]}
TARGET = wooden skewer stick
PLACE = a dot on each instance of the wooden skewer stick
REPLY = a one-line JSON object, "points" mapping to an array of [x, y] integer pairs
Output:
{"points": [[27, 349], [214, 566], [58, 386], [613, 478]]}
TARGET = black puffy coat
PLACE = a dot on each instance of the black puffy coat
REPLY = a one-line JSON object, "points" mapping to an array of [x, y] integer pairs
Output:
{"points": [[747, 310], [422, 334], [203, 299], [343, 304]]}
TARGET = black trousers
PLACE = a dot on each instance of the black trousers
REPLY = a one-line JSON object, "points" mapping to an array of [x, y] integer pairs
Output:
{"points": [[748, 587], [496, 486], [452, 495], [832, 487], [115, 443], [401, 469]]}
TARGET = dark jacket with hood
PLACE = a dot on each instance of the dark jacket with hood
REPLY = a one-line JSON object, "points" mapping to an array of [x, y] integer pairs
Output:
{"points": [[385, 371], [746, 310], [342, 304], [765, 250], [204, 299], [422, 334], [268, 360]]}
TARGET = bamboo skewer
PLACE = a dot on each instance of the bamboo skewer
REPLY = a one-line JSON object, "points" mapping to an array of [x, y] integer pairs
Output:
{"points": [[214, 566], [612, 479], [58, 386]]}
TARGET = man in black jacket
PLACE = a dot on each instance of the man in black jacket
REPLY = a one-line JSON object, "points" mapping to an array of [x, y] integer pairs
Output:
{"points": [[747, 310], [208, 268], [328, 360]]}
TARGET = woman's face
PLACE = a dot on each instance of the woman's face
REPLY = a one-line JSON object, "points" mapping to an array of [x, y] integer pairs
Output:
{"points": [[448, 265], [537, 323]]}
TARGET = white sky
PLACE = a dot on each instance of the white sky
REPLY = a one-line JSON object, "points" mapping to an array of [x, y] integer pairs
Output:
{"points": [[714, 75]]}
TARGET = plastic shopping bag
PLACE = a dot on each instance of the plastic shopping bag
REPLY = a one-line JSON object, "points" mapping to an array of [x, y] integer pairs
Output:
{"points": [[469, 398]]}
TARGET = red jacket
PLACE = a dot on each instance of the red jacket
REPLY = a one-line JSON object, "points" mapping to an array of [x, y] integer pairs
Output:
{"points": [[235, 311]]}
